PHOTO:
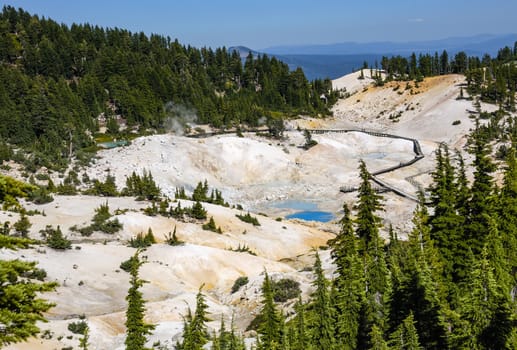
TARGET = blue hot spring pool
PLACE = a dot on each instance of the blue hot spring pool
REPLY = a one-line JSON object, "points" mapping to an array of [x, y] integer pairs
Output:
{"points": [[310, 215], [305, 211]]}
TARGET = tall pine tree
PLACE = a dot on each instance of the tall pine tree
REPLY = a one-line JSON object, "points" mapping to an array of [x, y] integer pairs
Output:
{"points": [[270, 329], [322, 325], [348, 290], [136, 328]]}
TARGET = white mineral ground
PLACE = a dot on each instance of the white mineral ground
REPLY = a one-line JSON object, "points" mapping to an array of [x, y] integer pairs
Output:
{"points": [[255, 172]]}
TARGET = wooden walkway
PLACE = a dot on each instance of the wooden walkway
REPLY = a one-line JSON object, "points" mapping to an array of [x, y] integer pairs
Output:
{"points": [[417, 149]]}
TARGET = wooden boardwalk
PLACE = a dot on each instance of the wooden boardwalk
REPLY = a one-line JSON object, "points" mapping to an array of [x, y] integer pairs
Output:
{"points": [[417, 149]]}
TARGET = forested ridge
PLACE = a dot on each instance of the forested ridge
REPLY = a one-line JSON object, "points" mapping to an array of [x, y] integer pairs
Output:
{"points": [[55, 80]]}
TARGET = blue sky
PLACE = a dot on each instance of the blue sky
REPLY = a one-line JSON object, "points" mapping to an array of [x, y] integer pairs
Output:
{"points": [[264, 23]]}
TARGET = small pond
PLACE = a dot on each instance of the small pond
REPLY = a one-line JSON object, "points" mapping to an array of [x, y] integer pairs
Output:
{"points": [[310, 215], [304, 210], [113, 144]]}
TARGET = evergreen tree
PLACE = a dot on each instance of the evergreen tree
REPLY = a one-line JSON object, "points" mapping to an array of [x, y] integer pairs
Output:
{"points": [[507, 217], [23, 225], [83, 342], [55, 239], [487, 317], [417, 287], [195, 333], [371, 250], [272, 321], [377, 339], [446, 224], [481, 202], [405, 337], [136, 329], [20, 304], [227, 339], [462, 190], [368, 203], [301, 341], [322, 325], [348, 291]]}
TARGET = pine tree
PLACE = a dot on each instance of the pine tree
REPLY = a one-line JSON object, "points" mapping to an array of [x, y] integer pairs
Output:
{"points": [[406, 336], [377, 339], [20, 305], [271, 325], [301, 340], [322, 325], [486, 314], [481, 202], [417, 287], [507, 217], [446, 224], [348, 286], [136, 328], [195, 333], [368, 203], [83, 342]]}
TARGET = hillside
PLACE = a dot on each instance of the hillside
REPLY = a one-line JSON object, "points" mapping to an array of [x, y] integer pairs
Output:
{"points": [[253, 172], [144, 181]]}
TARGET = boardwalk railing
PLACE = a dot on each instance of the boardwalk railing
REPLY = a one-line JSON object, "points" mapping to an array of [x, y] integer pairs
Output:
{"points": [[417, 149]]}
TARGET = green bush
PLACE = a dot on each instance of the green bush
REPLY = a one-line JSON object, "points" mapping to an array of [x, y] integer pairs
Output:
{"points": [[41, 195], [285, 289], [239, 282], [141, 187], [127, 264], [249, 219], [77, 327], [101, 222], [55, 239], [211, 226], [197, 211], [172, 239], [142, 241]]}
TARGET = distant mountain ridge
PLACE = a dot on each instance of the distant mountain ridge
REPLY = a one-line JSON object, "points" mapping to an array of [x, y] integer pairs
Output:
{"points": [[473, 45], [243, 51], [315, 66], [335, 60]]}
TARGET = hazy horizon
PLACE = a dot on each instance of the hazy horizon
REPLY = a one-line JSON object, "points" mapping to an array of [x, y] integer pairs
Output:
{"points": [[266, 24]]}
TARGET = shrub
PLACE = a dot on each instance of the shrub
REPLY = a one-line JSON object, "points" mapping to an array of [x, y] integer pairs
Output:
{"points": [[243, 249], [126, 265], [456, 122], [101, 222], [285, 289], [41, 195], [141, 187], [142, 241], [172, 239], [66, 190], [77, 327], [55, 239], [197, 211], [23, 225], [249, 219], [239, 282], [211, 226]]}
